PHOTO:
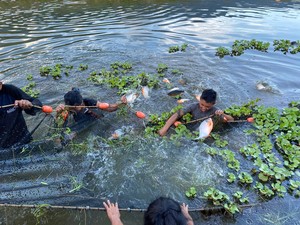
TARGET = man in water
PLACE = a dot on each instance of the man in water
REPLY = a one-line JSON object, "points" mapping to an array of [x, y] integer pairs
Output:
{"points": [[204, 108], [13, 128], [80, 108]]}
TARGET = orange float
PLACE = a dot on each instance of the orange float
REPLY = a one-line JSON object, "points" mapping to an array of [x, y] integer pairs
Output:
{"points": [[177, 123], [103, 105], [250, 119], [47, 109], [140, 114]]}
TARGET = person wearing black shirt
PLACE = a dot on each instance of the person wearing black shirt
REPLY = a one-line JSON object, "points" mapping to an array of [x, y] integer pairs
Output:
{"points": [[13, 128], [80, 106]]}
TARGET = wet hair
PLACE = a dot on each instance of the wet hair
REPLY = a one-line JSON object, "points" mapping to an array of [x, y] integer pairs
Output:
{"points": [[164, 211], [209, 95], [73, 97]]}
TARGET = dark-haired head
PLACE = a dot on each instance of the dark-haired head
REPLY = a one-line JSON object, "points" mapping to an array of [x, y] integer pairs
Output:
{"points": [[73, 97], [209, 95], [164, 211]]}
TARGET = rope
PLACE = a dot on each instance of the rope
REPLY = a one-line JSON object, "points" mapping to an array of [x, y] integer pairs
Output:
{"points": [[203, 118], [10, 105], [209, 209]]}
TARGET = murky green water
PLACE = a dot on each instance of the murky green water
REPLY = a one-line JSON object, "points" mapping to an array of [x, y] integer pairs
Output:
{"points": [[98, 33]]}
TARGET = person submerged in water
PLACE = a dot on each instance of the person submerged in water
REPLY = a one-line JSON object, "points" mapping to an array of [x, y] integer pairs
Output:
{"points": [[79, 106], [162, 211], [13, 127], [204, 108]]}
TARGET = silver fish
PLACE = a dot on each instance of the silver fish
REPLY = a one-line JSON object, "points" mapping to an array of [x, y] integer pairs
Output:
{"points": [[205, 128]]}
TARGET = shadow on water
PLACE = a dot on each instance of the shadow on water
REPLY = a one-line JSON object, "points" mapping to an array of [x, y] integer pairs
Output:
{"points": [[135, 170]]}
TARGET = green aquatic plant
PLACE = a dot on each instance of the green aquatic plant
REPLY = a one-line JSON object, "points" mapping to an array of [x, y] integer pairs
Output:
{"points": [[83, 67], [251, 150], [176, 72], [161, 68], [29, 77], [211, 151], [232, 162], [243, 110], [264, 190], [191, 193], [218, 142], [222, 51], [123, 82], [286, 46], [231, 177], [173, 49], [279, 188], [216, 196], [56, 71], [45, 71], [183, 47], [238, 196], [245, 178], [29, 89], [178, 48], [239, 46], [293, 185], [231, 207]]}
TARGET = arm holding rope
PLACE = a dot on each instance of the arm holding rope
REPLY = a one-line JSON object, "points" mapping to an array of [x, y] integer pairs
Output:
{"points": [[115, 106], [169, 123]]}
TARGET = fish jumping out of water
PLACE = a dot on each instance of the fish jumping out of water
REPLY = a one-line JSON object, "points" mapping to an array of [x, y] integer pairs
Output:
{"points": [[166, 80], [180, 101], [205, 128], [131, 97], [145, 91], [175, 91]]}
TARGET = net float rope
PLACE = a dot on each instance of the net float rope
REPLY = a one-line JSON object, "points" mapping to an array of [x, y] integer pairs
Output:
{"points": [[44, 108], [208, 209], [249, 120]]}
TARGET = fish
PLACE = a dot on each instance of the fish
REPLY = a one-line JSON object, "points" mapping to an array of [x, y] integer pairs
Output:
{"points": [[166, 80], [121, 132], [131, 97], [117, 134], [205, 128], [180, 101], [175, 91], [260, 86], [145, 91]]}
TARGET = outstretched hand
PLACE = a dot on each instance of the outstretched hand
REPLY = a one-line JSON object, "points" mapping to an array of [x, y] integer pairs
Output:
{"points": [[113, 213], [185, 212]]}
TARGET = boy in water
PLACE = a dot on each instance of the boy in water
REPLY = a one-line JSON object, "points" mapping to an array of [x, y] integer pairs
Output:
{"points": [[80, 106], [205, 107]]}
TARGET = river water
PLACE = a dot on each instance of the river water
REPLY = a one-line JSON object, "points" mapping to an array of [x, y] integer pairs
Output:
{"points": [[98, 33]]}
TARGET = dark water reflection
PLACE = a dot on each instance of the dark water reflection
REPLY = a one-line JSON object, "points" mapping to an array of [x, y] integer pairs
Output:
{"points": [[98, 33]]}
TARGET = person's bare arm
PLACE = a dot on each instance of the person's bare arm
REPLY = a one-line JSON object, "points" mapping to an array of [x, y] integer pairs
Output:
{"points": [[185, 212], [113, 107], [224, 117], [169, 123], [113, 213]]}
